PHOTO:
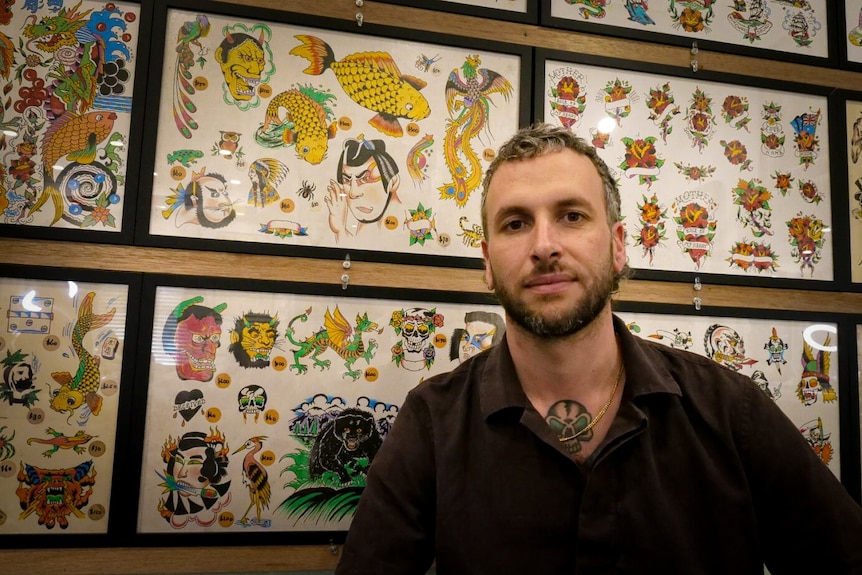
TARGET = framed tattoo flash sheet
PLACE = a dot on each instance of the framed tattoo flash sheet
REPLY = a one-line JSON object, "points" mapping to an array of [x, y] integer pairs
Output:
{"points": [[850, 41], [264, 408], [69, 131], [65, 367], [720, 178], [788, 30], [794, 359], [851, 108], [526, 11], [288, 134]]}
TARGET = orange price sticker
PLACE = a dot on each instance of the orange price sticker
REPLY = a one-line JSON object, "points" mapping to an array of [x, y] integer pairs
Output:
{"points": [[213, 414], [223, 381], [279, 363], [270, 416]]}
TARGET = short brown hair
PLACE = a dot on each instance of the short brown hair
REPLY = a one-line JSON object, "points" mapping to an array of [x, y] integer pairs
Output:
{"points": [[539, 139]]}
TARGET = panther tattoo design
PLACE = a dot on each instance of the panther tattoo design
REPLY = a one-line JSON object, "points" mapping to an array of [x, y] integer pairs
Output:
{"points": [[342, 442]]}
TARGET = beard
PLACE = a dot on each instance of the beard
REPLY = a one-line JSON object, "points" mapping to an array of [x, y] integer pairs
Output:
{"points": [[567, 322]]}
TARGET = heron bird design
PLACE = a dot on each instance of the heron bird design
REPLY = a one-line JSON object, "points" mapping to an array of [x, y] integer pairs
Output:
{"points": [[254, 477]]}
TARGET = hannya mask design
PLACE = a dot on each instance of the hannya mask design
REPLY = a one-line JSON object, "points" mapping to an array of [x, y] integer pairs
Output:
{"points": [[725, 346], [252, 401], [815, 375], [191, 336], [241, 59], [415, 325], [253, 338]]}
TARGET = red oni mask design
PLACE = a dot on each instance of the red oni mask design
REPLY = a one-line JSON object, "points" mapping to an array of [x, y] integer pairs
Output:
{"points": [[192, 335], [196, 343]]}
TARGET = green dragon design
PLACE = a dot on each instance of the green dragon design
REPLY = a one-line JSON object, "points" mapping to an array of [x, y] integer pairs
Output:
{"points": [[337, 335], [76, 85]]}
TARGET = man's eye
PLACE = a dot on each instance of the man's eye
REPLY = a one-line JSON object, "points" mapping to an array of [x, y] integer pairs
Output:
{"points": [[514, 225], [573, 217]]}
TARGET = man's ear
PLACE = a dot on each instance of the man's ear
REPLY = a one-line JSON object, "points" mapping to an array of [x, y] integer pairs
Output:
{"points": [[489, 277], [618, 232]]}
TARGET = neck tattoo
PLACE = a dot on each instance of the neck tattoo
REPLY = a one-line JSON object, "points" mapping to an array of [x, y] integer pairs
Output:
{"points": [[571, 420]]}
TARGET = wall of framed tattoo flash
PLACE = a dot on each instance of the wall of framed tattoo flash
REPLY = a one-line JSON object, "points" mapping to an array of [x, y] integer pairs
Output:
{"points": [[63, 349], [526, 11], [265, 408], [795, 363], [286, 136], [68, 76], [850, 41], [715, 178], [782, 29]]}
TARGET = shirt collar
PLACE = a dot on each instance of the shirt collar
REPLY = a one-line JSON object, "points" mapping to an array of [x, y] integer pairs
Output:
{"points": [[501, 390]]}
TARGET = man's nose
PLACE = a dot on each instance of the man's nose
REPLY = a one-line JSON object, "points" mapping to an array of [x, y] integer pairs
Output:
{"points": [[546, 241]]}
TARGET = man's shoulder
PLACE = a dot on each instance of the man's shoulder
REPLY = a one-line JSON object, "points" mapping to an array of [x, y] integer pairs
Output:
{"points": [[691, 370]]}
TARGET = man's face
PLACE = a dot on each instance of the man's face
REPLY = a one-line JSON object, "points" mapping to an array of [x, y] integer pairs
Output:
{"points": [[213, 202], [478, 336], [187, 470], [242, 69], [551, 255], [197, 341], [367, 197]]}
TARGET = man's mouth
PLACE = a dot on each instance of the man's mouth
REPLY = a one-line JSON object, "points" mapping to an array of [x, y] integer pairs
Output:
{"points": [[549, 283]]}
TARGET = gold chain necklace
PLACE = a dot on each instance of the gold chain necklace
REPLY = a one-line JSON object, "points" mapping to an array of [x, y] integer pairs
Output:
{"points": [[602, 411]]}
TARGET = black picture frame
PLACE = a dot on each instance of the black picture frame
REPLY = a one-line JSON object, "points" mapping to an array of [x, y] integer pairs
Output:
{"points": [[852, 331], [116, 534], [847, 370], [529, 16], [845, 21], [598, 26], [669, 73], [847, 189], [156, 91], [149, 327], [132, 173]]}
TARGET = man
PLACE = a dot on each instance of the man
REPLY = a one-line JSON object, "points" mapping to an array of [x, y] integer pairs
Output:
{"points": [[575, 447], [367, 183]]}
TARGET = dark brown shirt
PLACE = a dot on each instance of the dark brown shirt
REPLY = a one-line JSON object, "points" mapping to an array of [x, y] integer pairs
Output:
{"points": [[699, 473]]}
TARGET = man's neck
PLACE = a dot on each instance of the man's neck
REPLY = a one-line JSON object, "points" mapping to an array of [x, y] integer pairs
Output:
{"points": [[572, 367]]}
